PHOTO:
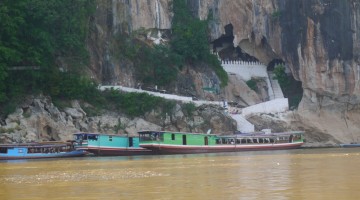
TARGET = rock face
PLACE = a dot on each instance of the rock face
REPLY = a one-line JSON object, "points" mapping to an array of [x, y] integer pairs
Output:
{"points": [[39, 120], [319, 41]]}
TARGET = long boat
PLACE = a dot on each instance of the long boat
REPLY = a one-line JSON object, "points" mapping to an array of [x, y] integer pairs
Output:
{"points": [[166, 142], [350, 145], [109, 144], [39, 150]]}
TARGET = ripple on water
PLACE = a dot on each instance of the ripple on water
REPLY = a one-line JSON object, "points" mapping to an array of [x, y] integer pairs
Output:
{"points": [[83, 175]]}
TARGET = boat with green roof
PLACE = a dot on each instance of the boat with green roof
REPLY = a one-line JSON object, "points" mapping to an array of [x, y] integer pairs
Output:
{"points": [[167, 142]]}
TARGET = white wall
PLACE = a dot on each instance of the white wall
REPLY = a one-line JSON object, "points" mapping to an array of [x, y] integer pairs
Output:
{"points": [[246, 70], [166, 96], [273, 106]]}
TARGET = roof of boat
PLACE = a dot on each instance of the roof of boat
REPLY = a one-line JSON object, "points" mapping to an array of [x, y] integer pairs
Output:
{"points": [[104, 134], [255, 134], [35, 144], [262, 134], [185, 133]]}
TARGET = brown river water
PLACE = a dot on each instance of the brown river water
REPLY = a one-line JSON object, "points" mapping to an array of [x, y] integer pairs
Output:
{"points": [[294, 174]]}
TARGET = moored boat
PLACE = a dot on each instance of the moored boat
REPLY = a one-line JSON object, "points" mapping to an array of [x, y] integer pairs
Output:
{"points": [[109, 145], [39, 150], [165, 142], [350, 145]]}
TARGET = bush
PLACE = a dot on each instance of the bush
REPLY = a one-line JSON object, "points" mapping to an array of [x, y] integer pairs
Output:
{"points": [[252, 84], [291, 88], [190, 39], [138, 104], [189, 108]]}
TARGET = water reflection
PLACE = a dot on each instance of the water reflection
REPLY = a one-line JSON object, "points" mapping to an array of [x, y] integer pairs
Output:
{"points": [[295, 174]]}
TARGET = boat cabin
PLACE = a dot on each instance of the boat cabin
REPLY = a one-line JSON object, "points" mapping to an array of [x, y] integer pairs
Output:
{"points": [[248, 138], [34, 150], [97, 140], [176, 138]]}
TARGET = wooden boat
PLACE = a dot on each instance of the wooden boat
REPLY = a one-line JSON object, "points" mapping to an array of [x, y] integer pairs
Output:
{"points": [[165, 142], [39, 150], [109, 145]]}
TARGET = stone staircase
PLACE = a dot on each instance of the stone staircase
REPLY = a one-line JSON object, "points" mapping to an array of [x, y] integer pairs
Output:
{"points": [[275, 86]]}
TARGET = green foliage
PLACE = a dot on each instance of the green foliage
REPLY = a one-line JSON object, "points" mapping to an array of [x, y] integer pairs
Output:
{"points": [[219, 70], [291, 88], [61, 103], [159, 65], [156, 65], [276, 14], [252, 83], [138, 104], [3, 76], [281, 76], [36, 33], [189, 108], [190, 39]]}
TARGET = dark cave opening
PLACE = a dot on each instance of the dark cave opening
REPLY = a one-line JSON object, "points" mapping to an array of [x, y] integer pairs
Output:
{"points": [[225, 48], [273, 63], [291, 88]]}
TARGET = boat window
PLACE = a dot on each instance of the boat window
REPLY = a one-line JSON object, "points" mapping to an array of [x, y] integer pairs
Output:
{"points": [[218, 141], [243, 141], [261, 140], [92, 137], [238, 141], [3, 150], [144, 137], [173, 136], [110, 138], [184, 139]]}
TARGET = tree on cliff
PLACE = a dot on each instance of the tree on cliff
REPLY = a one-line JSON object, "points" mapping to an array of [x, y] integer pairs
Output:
{"points": [[40, 33], [190, 39]]}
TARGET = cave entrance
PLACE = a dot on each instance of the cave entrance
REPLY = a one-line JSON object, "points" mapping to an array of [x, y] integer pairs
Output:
{"points": [[224, 46], [291, 88], [272, 64], [225, 42]]}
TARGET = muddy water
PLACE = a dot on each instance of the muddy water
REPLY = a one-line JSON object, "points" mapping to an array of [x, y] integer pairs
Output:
{"points": [[294, 174]]}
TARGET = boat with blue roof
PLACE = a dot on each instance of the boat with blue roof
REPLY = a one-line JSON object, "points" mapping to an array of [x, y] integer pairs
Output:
{"points": [[109, 144], [39, 150]]}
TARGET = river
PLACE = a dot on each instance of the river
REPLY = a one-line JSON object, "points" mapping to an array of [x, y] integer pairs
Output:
{"points": [[294, 174]]}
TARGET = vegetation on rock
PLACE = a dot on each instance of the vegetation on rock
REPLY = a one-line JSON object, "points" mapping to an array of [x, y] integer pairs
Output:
{"points": [[291, 88], [190, 39], [41, 34]]}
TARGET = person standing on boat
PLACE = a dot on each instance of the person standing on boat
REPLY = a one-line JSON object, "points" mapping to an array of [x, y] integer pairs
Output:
{"points": [[291, 138]]}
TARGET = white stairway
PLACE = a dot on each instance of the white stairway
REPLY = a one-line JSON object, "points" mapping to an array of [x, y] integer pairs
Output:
{"points": [[242, 124], [278, 94]]}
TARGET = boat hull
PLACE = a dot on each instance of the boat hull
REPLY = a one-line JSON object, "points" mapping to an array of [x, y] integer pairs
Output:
{"points": [[75, 153], [103, 151], [190, 149], [349, 145]]}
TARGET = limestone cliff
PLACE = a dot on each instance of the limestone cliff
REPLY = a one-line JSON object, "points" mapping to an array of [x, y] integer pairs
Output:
{"points": [[317, 39]]}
